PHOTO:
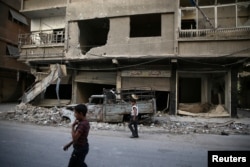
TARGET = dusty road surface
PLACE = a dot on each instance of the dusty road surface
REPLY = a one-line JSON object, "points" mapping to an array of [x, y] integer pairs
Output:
{"points": [[26, 145]]}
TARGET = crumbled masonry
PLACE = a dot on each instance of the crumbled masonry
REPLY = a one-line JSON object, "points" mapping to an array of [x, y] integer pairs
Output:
{"points": [[161, 123]]}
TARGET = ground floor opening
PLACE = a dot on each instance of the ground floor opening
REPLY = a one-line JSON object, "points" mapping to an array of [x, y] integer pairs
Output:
{"points": [[204, 93]]}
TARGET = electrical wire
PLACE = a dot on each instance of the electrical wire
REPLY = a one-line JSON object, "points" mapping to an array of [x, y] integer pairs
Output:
{"points": [[177, 57], [121, 67], [223, 65]]}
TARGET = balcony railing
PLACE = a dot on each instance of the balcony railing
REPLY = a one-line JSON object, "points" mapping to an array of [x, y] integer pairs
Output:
{"points": [[215, 34], [41, 38]]}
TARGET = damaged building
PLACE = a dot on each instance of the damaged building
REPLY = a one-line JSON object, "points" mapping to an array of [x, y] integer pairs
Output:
{"points": [[15, 76], [187, 51]]}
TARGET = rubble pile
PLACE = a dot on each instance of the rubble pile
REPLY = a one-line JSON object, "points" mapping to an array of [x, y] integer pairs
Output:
{"points": [[159, 124], [227, 128], [37, 115]]}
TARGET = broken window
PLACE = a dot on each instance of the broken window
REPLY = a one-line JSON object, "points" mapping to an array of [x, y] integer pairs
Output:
{"points": [[243, 14], [203, 23], [58, 35], [188, 19], [145, 25], [93, 33], [226, 16]]}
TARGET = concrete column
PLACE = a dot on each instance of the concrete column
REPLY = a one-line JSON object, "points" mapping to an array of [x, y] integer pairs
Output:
{"points": [[118, 83], [173, 91], [234, 92], [74, 88]]}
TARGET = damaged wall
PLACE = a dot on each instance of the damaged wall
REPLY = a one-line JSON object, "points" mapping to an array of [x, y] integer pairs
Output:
{"points": [[119, 41], [116, 38]]}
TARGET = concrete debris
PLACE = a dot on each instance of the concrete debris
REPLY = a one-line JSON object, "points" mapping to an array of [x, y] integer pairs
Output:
{"points": [[161, 123], [38, 115], [203, 110], [68, 114], [195, 107]]}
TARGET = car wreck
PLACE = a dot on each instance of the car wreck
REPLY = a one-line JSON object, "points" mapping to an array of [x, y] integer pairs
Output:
{"points": [[112, 107]]}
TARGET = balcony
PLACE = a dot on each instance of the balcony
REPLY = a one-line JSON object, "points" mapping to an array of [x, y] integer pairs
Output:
{"points": [[44, 44], [215, 34], [41, 38]]}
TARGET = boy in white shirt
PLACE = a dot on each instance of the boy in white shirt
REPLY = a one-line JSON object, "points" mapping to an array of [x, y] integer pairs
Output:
{"points": [[134, 119]]}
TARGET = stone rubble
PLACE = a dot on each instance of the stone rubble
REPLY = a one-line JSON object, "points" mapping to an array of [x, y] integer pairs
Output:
{"points": [[161, 123], [37, 115]]}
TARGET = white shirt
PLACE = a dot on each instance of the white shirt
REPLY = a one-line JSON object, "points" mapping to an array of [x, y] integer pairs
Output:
{"points": [[132, 111]]}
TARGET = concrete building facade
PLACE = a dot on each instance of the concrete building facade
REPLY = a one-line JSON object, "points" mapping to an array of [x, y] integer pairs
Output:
{"points": [[186, 51]]}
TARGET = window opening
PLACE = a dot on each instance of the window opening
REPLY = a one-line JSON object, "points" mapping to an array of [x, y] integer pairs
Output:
{"points": [[93, 33], [17, 18], [243, 14], [223, 14], [58, 35], [226, 16], [12, 50], [188, 19], [148, 25], [203, 18], [203, 23]]}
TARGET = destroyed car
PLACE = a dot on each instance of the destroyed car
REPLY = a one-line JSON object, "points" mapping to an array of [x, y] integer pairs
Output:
{"points": [[111, 107]]}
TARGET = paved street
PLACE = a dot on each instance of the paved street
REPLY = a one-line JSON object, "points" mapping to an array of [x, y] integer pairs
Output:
{"points": [[24, 145]]}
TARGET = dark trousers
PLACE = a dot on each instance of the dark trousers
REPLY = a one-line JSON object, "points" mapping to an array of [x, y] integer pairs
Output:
{"points": [[78, 156], [133, 126]]}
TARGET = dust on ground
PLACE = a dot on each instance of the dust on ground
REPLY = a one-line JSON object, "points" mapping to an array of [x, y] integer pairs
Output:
{"points": [[160, 123]]}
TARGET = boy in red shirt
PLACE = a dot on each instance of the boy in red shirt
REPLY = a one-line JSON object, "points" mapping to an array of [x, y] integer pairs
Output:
{"points": [[79, 133]]}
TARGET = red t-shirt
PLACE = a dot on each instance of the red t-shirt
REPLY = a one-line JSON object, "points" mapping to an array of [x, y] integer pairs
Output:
{"points": [[83, 128]]}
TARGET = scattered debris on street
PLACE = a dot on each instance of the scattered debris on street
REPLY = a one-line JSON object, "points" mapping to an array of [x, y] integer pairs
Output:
{"points": [[161, 123]]}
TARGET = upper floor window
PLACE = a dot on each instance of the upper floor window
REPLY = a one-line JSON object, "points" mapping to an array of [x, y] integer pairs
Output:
{"points": [[12, 50], [17, 18], [243, 14], [207, 14], [147, 25]]}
